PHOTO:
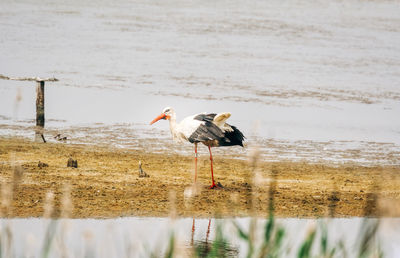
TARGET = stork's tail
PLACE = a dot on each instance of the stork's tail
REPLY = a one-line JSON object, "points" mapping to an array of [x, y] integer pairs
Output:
{"points": [[234, 137]]}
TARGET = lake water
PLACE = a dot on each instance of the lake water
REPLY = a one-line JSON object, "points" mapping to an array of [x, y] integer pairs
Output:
{"points": [[316, 81], [139, 237]]}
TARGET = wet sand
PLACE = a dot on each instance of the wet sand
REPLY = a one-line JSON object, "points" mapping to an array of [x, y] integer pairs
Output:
{"points": [[107, 184]]}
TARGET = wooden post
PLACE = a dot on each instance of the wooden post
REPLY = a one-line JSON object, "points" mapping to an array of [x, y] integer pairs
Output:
{"points": [[39, 111], [39, 137]]}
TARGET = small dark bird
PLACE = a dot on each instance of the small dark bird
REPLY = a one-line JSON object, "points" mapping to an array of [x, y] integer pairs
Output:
{"points": [[141, 172], [42, 164], [73, 163], [60, 137]]}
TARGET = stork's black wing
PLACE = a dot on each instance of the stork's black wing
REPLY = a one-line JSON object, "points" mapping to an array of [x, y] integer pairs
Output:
{"points": [[210, 131], [206, 132], [205, 117], [234, 137]]}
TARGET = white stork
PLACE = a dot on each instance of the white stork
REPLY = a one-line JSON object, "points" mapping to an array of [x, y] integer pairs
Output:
{"points": [[210, 129]]}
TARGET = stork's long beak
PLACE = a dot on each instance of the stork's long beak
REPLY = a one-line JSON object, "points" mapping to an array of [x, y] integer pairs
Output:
{"points": [[162, 116]]}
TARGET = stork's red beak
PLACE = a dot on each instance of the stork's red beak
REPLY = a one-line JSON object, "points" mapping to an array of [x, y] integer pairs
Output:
{"points": [[162, 116]]}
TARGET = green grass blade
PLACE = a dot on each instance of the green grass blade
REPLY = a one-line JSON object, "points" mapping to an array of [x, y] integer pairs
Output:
{"points": [[305, 249]]}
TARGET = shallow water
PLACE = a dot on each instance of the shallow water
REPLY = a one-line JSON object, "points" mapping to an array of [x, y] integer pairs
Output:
{"points": [[316, 81], [138, 237]]}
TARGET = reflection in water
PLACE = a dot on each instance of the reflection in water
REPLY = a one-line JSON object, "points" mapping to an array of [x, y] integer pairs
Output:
{"points": [[193, 229], [140, 236], [203, 247]]}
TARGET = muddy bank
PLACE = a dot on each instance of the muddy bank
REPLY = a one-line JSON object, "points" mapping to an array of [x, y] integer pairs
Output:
{"points": [[107, 184]]}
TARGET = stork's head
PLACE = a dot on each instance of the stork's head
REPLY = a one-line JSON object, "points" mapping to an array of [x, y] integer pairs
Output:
{"points": [[166, 114]]}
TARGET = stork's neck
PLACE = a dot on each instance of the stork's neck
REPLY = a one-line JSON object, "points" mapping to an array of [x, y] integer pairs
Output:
{"points": [[172, 125]]}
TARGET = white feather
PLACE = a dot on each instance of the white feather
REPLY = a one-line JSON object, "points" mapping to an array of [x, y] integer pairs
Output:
{"points": [[220, 121], [186, 128]]}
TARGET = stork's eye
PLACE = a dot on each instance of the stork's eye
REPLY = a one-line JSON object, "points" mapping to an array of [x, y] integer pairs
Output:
{"points": [[166, 111]]}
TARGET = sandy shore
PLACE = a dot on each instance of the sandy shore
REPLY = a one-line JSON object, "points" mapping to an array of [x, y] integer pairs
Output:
{"points": [[107, 184]]}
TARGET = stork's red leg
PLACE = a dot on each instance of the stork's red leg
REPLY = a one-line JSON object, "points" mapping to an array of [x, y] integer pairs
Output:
{"points": [[195, 162], [213, 185]]}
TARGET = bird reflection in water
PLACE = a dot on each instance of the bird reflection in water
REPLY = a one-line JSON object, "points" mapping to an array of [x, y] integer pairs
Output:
{"points": [[205, 246]]}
